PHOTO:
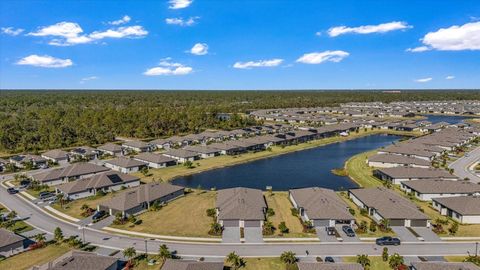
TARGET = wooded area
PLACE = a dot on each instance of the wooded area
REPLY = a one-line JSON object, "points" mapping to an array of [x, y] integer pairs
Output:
{"points": [[36, 120]]}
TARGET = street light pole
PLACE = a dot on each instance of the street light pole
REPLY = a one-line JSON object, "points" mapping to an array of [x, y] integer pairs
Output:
{"points": [[476, 249]]}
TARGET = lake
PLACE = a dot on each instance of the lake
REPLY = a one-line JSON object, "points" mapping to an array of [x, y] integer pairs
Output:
{"points": [[445, 118], [310, 167]]}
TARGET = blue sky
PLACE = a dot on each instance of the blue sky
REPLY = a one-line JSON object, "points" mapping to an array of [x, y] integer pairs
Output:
{"points": [[200, 44]]}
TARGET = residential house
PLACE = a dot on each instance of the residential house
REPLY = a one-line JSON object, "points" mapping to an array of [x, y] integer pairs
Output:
{"points": [[321, 206], [3, 164], [21, 161], [10, 243], [227, 148], [409, 151], [384, 204], [72, 172], [396, 175], [464, 209], [182, 155], [171, 264], [443, 266], [138, 146], [426, 190], [139, 199], [155, 160], [105, 182], [57, 156], [125, 165], [328, 266], [81, 260], [203, 151], [110, 149], [84, 153], [389, 161], [240, 207]]}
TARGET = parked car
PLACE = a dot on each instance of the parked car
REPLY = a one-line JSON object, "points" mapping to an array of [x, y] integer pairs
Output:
{"points": [[45, 194], [329, 259], [12, 190], [98, 215], [330, 230], [348, 231], [387, 241]]}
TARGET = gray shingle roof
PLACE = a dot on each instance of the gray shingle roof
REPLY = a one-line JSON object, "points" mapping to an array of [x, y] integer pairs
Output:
{"points": [[191, 265], [110, 147], [181, 153], [408, 172], [398, 159], [329, 266], [101, 180], [321, 203], [79, 260], [442, 186], [464, 205], [8, 238], [76, 169], [241, 203], [55, 154], [153, 158], [201, 149], [125, 162], [444, 266]]}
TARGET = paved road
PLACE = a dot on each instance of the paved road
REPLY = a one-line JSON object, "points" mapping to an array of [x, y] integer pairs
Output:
{"points": [[461, 165], [46, 223]]}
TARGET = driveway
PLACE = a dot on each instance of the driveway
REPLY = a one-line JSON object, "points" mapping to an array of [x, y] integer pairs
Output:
{"points": [[231, 235], [323, 236], [344, 236], [253, 235], [461, 166], [427, 234], [103, 223], [404, 234]]}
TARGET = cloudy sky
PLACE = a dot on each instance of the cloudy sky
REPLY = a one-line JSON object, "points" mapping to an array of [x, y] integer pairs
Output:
{"points": [[244, 44]]}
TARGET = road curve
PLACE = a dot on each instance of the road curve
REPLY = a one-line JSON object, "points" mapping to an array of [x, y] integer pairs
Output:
{"points": [[461, 166]]}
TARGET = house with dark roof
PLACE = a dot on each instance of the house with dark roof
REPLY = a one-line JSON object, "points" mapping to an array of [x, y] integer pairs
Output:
{"points": [[138, 146], [390, 160], [57, 156], [426, 190], [156, 161], [203, 151], [105, 182], [10, 243], [111, 149], [227, 148], [385, 204], [84, 153], [240, 207], [182, 155], [464, 209], [321, 206], [20, 161], [171, 264], [81, 260], [328, 266], [139, 199], [396, 175], [125, 165], [444, 266], [72, 172]]}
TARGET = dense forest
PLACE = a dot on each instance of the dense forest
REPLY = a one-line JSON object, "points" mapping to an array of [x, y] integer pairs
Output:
{"points": [[37, 120]]}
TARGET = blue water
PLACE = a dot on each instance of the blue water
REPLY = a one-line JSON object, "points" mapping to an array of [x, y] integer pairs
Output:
{"points": [[306, 168], [443, 118]]}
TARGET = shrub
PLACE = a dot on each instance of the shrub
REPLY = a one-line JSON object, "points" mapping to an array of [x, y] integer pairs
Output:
{"points": [[270, 212], [294, 212], [211, 212], [373, 226], [283, 227], [352, 211]]}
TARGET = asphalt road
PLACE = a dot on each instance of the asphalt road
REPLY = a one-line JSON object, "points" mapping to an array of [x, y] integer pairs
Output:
{"points": [[461, 165], [46, 223]]}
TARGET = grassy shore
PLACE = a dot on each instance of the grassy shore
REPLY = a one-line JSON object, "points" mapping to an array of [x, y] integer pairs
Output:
{"points": [[35, 257]]}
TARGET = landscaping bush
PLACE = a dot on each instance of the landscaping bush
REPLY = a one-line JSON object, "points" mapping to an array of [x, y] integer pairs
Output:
{"points": [[215, 229], [283, 227], [363, 212], [211, 212], [294, 212], [352, 211], [268, 228], [373, 226], [270, 212]]}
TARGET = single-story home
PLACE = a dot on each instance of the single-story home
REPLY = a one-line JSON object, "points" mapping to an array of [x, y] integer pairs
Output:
{"points": [[396, 175], [106, 182], [384, 204], [464, 209], [171, 264], [390, 160], [71, 172], [21, 160], [408, 150], [10, 243], [443, 266], [125, 165], [321, 206], [182, 155], [227, 148], [203, 151], [139, 199], [138, 146], [111, 149], [328, 266], [155, 160], [57, 156], [3, 164], [425, 190], [240, 207], [84, 152], [79, 260]]}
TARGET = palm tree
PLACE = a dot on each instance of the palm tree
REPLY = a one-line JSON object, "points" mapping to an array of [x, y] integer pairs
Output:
{"points": [[288, 257], [235, 260], [129, 253], [40, 238], [164, 252], [395, 261], [12, 215], [364, 261], [58, 235]]}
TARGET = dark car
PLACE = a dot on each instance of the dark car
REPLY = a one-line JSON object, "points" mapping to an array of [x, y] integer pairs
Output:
{"points": [[12, 190], [45, 194], [348, 231], [387, 241], [329, 259], [330, 230], [98, 215]]}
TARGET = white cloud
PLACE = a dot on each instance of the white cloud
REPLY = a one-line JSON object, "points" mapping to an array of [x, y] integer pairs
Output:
{"points": [[166, 68], [418, 49], [44, 61], [181, 21], [199, 49], [454, 38], [12, 31], [177, 4], [424, 80], [86, 79], [320, 57], [449, 77], [261, 63], [124, 19], [368, 29], [69, 33]]}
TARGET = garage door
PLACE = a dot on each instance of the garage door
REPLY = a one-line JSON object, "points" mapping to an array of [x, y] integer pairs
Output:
{"points": [[418, 223], [321, 222], [397, 222], [230, 223], [252, 223]]}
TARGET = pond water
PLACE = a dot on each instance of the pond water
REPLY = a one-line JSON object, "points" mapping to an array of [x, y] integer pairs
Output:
{"points": [[445, 118], [311, 167]]}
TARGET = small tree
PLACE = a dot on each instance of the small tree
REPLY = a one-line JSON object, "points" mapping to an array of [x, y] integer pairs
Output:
{"points": [[270, 212], [236, 261], [268, 228], [385, 254], [288, 257], [373, 226], [211, 212], [283, 227], [129, 253], [454, 228], [188, 164], [58, 235], [364, 261], [40, 239], [215, 229], [164, 252], [395, 261]]}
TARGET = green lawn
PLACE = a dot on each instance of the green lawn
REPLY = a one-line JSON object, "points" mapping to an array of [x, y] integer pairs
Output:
{"points": [[73, 208], [376, 262], [29, 259], [359, 171], [20, 226], [185, 216], [262, 264]]}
